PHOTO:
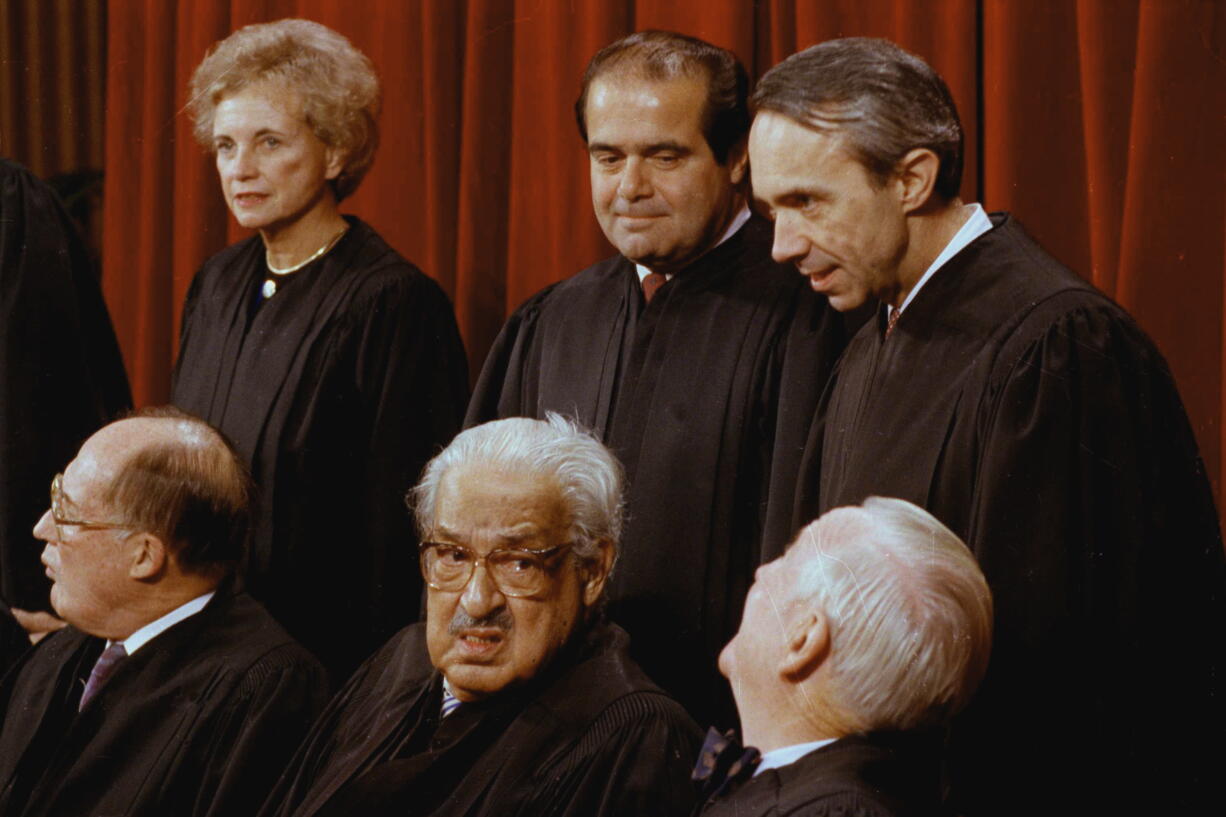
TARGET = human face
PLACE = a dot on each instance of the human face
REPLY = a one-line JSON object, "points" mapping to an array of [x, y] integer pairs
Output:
{"points": [[841, 229], [274, 169], [89, 567], [748, 660], [480, 639], [782, 597], [659, 195]]}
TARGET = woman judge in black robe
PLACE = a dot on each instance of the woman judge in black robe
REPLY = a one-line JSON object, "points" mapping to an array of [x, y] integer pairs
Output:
{"points": [[334, 364]]}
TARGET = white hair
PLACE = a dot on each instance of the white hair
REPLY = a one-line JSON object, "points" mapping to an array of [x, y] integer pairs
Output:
{"points": [[910, 616], [587, 474]]}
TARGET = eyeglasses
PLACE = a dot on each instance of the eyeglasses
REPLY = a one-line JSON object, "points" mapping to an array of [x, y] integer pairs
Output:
{"points": [[517, 572], [57, 511]]}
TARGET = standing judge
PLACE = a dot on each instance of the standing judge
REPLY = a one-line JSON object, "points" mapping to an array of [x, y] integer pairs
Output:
{"points": [[334, 364], [697, 358], [1028, 413], [515, 696], [61, 374], [170, 693], [873, 628]]}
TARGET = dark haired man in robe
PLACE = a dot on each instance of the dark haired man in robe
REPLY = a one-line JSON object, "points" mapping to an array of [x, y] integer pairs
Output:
{"points": [[1028, 413], [692, 354], [61, 376], [169, 693]]}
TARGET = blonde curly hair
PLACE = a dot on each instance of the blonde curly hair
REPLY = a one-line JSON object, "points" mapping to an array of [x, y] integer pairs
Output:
{"points": [[336, 82]]}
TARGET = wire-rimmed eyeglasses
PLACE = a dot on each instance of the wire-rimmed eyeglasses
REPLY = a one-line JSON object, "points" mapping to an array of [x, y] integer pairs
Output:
{"points": [[516, 572], [61, 521]]}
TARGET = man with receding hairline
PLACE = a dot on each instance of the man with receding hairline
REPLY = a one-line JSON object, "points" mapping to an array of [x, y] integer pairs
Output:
{"points": [[1030, 414], [169, 692], [692, 354], [873, 628]]}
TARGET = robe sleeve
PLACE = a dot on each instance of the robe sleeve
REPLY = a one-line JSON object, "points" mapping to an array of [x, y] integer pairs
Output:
{"points": [[412, 375], [1094, 523], [816, 337], [508, 384], [61, 374], [257, 731], [635, 759]]}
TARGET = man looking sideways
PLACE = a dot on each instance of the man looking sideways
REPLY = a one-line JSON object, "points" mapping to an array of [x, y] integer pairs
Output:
{"points": [[1030, 414], [514, 697]]}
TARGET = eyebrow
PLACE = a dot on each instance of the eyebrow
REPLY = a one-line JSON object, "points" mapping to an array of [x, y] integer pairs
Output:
{"points": [[506, 538], [655, 147]]}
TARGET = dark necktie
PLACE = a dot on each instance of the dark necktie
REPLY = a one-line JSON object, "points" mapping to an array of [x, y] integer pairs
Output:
{"points": [[722, 763], [102, 670], [651, 283]]}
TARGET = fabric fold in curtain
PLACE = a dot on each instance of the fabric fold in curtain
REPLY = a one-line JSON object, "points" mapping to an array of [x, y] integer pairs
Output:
{"points": [[1097, 122]]}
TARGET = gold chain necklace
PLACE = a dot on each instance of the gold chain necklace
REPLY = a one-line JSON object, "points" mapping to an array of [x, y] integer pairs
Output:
{"points": [[270, 285]]}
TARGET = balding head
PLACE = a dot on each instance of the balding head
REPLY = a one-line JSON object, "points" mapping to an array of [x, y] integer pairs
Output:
{"points": [[153, 511], [877, 618]]}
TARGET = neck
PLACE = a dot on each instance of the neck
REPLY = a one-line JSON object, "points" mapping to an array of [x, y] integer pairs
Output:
{"points": [[290, 244], [154, 602], [931, 228], [787, 718]]}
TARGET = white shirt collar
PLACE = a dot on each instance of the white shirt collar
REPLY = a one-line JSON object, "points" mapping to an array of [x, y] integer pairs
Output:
{"points": [[737, 223], [788, 755], [156, 627], [977, 223]]}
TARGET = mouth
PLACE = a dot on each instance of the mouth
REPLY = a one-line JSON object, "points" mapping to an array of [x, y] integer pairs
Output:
{"points": [[480, 643], [249, 199], [821, 280]]}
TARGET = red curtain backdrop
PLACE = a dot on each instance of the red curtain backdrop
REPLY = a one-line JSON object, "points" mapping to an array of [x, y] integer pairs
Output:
{"points": [[1099, 123]]}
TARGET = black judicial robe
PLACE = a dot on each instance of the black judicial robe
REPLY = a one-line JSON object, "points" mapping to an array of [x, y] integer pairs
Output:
{"points": [[336, 391], [705, 395], [857, 776], [1030, 414], [199, 721], [61, 374], [590, 737]]}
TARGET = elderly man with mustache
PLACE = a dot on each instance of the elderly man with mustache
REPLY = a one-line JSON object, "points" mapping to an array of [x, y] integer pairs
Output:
{"points": [[514, 696]]}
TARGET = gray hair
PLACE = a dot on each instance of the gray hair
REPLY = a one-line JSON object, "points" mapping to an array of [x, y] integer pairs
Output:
{"points": [[336, 81], [910, 617], [886, 100], [587, 474]]}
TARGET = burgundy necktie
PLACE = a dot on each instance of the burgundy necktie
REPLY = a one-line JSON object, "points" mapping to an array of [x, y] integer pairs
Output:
{"points": [[652, 282], [102, 670], [889, 324]]}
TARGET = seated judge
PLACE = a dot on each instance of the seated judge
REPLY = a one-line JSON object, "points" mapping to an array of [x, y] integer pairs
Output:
{"points": [[169, 693], [515, 696], [873, 628], [333, 363]]}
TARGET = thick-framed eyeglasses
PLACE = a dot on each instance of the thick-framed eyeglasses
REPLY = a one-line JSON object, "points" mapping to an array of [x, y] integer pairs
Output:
{"points": [[61, 521], [516, 572]]}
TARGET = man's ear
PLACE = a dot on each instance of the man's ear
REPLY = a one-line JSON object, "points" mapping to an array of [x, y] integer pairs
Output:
{"points": [[598, 573], [738, 161], [916, 176], [149, 557], [808, 644]]}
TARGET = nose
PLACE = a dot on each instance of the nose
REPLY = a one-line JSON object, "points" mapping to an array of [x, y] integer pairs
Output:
{"points": [[44, 528], [481, 596], [240, 164], [789, 245], [634, 183]]}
